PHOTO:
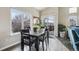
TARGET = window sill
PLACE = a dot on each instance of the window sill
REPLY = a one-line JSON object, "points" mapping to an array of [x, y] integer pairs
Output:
{"points": [[12, 34]]}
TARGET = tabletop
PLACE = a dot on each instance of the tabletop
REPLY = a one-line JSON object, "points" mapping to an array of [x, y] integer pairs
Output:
{"points": [[40, 32]]}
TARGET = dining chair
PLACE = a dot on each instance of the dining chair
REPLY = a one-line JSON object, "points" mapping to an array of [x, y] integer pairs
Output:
{"points": [[44, 38], [26, 39]]}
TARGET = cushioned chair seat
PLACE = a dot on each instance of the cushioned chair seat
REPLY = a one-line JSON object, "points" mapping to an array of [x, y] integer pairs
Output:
{"points": [[27, 41], [41, 38]]}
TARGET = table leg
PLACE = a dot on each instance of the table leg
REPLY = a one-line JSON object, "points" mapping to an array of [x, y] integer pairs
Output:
{"points": [[22, 44], [37, 44], [48, 37]]}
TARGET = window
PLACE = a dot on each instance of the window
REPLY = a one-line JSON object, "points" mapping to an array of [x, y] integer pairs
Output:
{"points": [[19, 20], [36, 20], [73, 20], [49, 20], [73, 16], [73, 10]]}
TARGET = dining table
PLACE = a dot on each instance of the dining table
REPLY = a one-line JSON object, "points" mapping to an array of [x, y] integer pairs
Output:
{"points": [[36, 35]]}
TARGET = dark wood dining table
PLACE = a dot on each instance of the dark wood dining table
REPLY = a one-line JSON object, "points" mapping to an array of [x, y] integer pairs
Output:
{"points": [[36, 35]]}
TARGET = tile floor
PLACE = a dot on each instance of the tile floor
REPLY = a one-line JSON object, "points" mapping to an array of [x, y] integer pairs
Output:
{"points": [[66, 42], [54, 45]]}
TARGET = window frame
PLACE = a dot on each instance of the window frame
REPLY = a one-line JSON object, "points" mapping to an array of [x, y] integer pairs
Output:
{"points": [[71, 18], [72, 10], [74, 13], [16, 33]]}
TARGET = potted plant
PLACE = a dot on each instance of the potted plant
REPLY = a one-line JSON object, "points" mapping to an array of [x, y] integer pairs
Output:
{"points": [[42, 26], [61, 30], [36, 27]]}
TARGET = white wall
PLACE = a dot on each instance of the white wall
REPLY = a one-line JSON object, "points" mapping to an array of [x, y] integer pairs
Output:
{"points": [[63, 16], [78, 17], [5, 38], [51, 11]]}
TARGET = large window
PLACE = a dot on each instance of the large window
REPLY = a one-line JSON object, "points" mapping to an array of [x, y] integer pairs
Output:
{"points": [[19, 20], [36, 20], [49, 21], [73, 10], [73, 20], [73, 16]]}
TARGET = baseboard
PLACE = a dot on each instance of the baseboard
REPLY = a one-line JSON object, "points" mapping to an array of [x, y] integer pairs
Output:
{"points": [[9, 46]]}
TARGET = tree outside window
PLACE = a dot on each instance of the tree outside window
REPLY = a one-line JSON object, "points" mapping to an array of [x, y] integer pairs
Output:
{"points": [[17, 17]]}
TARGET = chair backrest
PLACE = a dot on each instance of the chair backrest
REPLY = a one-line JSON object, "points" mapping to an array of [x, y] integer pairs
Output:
{"points": [[25, 31], [46, 33], [47, 30]]}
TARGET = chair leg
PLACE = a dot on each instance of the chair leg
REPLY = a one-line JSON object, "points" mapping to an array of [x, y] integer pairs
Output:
{"points": [[22, 45], [29, 48], [46, 44], [43, 45]]}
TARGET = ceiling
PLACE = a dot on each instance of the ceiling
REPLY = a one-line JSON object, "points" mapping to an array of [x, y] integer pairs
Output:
{"points": [[40, 8]]}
